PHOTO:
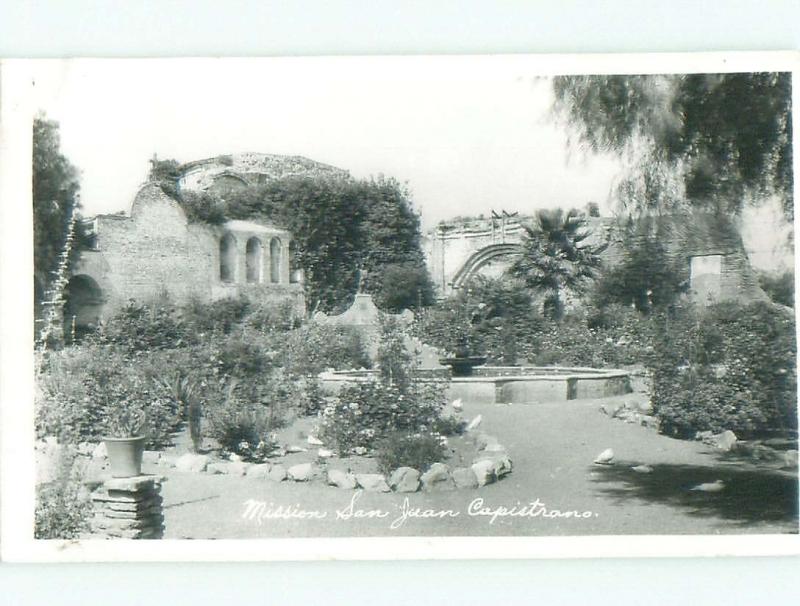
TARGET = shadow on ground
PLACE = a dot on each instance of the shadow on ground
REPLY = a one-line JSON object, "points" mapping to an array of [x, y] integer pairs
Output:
{"points": [[748, 496]]}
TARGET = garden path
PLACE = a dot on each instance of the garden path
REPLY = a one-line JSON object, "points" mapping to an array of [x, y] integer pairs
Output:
{"points": [[552, 447]]}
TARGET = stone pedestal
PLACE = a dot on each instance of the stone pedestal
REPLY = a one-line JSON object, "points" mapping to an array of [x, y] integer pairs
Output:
{"points": [[128, 508]]}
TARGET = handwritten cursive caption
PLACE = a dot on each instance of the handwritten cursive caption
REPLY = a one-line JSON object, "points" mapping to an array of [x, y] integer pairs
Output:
{"points": [[262, 511]]}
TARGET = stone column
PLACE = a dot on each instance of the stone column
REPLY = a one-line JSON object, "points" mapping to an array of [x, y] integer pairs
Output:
{"points": [[128, 508]]}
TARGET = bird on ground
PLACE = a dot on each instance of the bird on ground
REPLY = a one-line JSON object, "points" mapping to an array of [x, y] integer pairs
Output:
{"points": [[605, 457], [457, 404], [717, 486]]}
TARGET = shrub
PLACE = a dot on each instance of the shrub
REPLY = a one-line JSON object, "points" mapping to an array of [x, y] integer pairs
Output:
{"points": [[220, 316], [727, 367], [647, 278], [83, 388], [699, 401], [317, 347], [493, 316], [145, 327], [63, 507], [404, 285], [419, 451], [369, 411], [244, 429], [271, 318], [449, 426], [395, 362]]}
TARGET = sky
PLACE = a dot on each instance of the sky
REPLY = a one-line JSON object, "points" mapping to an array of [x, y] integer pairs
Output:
{"points": [[467, 135]]}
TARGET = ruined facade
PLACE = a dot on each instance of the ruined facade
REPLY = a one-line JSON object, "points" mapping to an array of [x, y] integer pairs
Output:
{"points": [[154, 250], [710, 249]]}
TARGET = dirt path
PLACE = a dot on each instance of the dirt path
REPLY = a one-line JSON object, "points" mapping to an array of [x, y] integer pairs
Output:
{"points": [[552, 447]]}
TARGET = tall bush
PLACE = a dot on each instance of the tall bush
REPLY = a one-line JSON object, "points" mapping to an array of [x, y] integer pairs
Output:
{"points": [[728, 367]]}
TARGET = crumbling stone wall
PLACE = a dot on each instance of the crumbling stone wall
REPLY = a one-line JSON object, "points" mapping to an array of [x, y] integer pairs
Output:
{"points": [[452, 248], [155, 250]]}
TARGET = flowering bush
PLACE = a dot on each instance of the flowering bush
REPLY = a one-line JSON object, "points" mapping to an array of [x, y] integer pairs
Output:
{"points": [[602, 338], [728, 367], [316, 347], [367, 412]]}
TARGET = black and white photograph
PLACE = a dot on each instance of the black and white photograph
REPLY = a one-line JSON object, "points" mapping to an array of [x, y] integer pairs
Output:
{"points": [[464, 297]]}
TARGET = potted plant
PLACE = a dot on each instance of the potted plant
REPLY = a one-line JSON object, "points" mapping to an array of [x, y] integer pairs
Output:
{"points": [[125, 441]]}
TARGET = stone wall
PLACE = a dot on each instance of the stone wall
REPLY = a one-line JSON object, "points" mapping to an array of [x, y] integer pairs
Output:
{"points": [[155, 250]]}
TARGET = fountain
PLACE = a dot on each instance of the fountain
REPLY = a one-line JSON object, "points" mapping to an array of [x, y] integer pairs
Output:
{"points": [[462, 363]]}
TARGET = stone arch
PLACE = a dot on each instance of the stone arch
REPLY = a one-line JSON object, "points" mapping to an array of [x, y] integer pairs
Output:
{"points": [[253, 254], [83, 305], [295, 271], [225, 183], [275, 260], [480, 258], [227, 258]]}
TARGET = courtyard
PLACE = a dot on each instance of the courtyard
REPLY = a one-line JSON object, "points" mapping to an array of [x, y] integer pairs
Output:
{"points": [[553, 447]]}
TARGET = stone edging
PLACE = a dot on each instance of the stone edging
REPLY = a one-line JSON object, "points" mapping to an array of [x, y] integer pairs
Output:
{"points": [[490, 463]]}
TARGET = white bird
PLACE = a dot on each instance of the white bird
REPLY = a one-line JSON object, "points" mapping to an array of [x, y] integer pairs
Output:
{"points": [[457, 404], [473, 425], [717, 486], [605, 457], [314, 441], [642, 469], [324, 453]]}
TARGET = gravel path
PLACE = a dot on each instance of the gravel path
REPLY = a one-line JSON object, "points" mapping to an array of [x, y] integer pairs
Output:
{"points": [[552, 447]]}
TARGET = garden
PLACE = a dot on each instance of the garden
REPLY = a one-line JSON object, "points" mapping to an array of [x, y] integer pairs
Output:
{"points": [[238, 383]]}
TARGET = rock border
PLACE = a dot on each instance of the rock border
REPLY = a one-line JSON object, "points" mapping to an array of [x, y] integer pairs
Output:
{"points": [[490, 463]]}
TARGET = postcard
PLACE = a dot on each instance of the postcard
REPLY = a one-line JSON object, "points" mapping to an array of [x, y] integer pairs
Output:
{"points": [[398, 307]]}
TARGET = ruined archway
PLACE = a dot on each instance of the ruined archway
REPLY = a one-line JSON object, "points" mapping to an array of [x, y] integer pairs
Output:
{"points": [[253, 254], [275, 261], [83, 306], [482, 258], [227, 258], [295, 271]]}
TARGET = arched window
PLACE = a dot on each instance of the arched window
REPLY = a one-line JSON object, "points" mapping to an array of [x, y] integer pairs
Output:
{"points": [[275, 261], [253, 260], [295, 273], [227, 258]]}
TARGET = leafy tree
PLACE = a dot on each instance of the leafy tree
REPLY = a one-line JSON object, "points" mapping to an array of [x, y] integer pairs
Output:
{"points": [[344, 229], [779, 286], [345, 232], [325, 216], [490, 316], [393, 262], [714, 140], [647, 277], [399, 286], [55, 195], [556, 256]]}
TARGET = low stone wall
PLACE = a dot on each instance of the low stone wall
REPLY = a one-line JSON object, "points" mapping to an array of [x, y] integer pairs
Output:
{"points": [[520, 388]]}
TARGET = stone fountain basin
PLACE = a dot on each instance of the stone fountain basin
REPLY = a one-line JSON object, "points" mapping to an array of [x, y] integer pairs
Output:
{"points": [[510, 384]]}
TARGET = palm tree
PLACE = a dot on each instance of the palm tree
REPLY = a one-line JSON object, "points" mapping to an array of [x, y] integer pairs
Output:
{"points": [[556, 256]]}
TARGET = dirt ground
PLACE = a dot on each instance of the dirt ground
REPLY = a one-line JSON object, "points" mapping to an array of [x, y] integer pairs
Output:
{"points": [[555, 489]]}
